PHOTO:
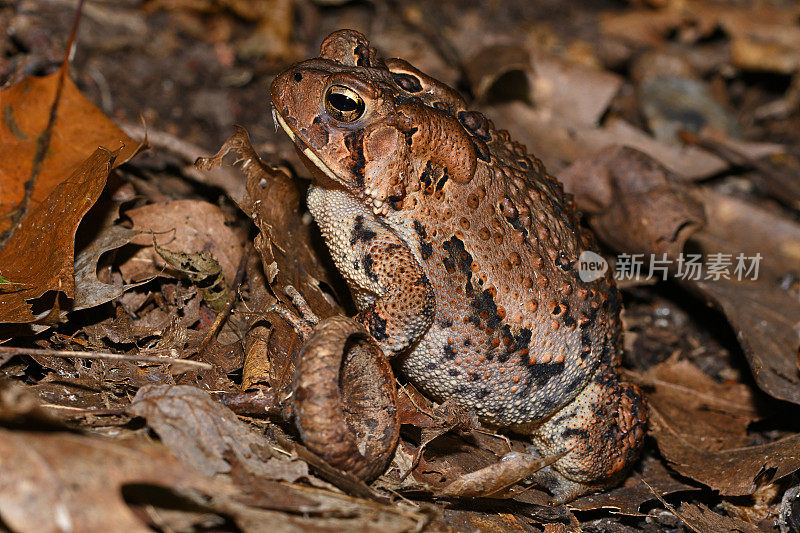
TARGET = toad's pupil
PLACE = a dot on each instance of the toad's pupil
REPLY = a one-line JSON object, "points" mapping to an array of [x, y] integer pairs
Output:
{"points": [[343, 103]]}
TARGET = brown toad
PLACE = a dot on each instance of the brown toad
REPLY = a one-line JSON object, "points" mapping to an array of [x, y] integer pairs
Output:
{"points": [[461, 255]]}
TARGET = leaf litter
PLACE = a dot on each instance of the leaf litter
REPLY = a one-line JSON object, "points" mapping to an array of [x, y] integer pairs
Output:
{"points": [[604, 95]]}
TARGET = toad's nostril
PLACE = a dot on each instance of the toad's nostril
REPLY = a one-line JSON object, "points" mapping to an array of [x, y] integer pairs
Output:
{"points": [[298, 77]]}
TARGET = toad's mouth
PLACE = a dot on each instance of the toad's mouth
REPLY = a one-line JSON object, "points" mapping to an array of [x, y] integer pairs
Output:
{"points": [[371, 198], [304, 148]]}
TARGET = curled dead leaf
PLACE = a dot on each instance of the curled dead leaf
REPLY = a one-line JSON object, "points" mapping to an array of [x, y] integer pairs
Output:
{"points": [[345, 398], [633, 203], [496, 478]]}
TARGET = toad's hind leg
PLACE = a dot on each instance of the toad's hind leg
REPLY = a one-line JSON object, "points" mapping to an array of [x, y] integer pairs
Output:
{"points": [[600, 432]]}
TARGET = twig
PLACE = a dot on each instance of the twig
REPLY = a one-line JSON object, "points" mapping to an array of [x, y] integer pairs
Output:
{"points": [[780, 185], [81, 411], [12, 350], [223, 315]]}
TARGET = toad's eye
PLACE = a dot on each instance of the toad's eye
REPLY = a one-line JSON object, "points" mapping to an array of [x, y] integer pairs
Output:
{"points": [[343, 104]]}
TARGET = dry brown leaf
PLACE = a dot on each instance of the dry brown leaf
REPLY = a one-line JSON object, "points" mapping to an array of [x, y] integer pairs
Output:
{"points": [[637, 490], [708, 415], [764, 313], [39, 256], [688, 162], [485, 69], [735, 225], [78, 130], [763, 37], [765, 317], [642, 27], [734, 471], [183, 226], [69, 482], [207, 436], [702, 519], [288, 257], [495, 478], [577, 94], [634, 203], [89, 290]]}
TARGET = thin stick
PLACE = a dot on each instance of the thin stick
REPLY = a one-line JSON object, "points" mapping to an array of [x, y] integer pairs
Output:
{"points": [[12, 350]]}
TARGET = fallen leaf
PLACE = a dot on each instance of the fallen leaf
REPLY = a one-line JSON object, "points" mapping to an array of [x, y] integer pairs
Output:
{"points": [[764, 313], [577, 94], [183, 226], [688, 162], [765, 318], [69, 482], [288, 257], [78, 130], [207, 435], [497, 477], [732, 471], [489, 67], [709, 415], [633, 203], [637, 490], [89, 290], [702, 519], [40, 254]]}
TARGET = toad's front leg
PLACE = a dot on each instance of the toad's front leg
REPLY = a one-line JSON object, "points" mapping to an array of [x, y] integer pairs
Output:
{"points": [[395, 299]]}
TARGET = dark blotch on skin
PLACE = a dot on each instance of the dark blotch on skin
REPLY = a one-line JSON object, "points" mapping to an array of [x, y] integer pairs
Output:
{"points": [[571, 386], [519, 341], [516, 223], [420, 229], [425, 247], [360, 233], [449, 351], [563, 263], [409, 135], [369, 263], [407, 82], [442, 180], [484, 310], [362, 53], [541, 373], [586, 342], [576, 432], [458, 258], [427, 175], [375, 324], [354, 142]]}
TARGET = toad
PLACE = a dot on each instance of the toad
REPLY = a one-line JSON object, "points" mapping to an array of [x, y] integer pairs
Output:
{"points": [[461, 253]]}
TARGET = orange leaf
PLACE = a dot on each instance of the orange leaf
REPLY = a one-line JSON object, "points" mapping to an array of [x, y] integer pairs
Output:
{"points": [[40, 255], [78, 129]]}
